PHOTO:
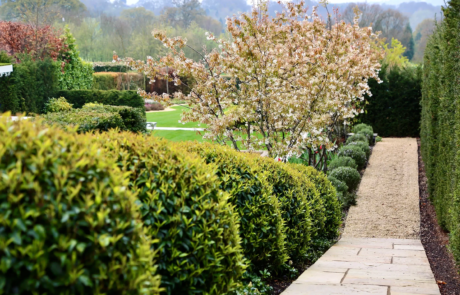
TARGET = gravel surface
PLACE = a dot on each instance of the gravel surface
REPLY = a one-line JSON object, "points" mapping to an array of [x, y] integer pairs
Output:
{"points": [[388, 196]]}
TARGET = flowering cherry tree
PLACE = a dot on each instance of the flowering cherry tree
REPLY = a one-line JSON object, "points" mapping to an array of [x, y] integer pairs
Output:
{"points": [[280, 83]]}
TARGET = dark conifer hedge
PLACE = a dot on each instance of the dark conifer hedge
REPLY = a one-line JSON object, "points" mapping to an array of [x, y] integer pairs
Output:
{"points": [[394, 107]]}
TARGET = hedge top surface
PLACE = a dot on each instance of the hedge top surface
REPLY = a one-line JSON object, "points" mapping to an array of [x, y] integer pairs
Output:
{"points": [[4, 64], [195, 228], [362, 126], [69, 226]]}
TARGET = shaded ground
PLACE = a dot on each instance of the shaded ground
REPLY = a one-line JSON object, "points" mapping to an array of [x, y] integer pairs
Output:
{"points": [[435, 240]]}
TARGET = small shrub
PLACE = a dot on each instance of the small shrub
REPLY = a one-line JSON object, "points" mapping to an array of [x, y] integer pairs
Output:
{"points": [[346, 199], [368, 133], [196, 228], [354, 152], [378, 139], [133, 118], [55, 105], [364, 147], [348, 175], [362, 126], [68, 224], [154, 107], [87, 121], [357, 137], [262, 227], [342, 162]]}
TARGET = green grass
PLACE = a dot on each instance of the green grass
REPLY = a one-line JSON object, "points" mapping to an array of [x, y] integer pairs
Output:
{"points": [[178, 135], [171, 119]]}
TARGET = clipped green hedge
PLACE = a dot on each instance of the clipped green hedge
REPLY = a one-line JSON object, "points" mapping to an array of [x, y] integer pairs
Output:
{"points": [[358, 127], [55, 105], [110, 97], [364, 146], [29, 86], [68, 224], [354, 152], [187, 215], [87, 121], [357, 137], [262, 227], [328, 196], [342, 162], [348, 175], [440, 123], [302, 208], [133, 118], [368, 133]]}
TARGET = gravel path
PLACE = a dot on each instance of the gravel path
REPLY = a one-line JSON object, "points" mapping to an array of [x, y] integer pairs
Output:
{"points": [[388, 197]]}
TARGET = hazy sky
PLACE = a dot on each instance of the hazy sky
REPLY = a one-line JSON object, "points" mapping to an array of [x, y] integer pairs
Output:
{"points": [[392, 2]]}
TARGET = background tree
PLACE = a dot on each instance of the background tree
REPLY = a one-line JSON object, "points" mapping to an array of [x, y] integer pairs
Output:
{"points": [[41, 12], [184, 13], [421, 36], [280, 84]]}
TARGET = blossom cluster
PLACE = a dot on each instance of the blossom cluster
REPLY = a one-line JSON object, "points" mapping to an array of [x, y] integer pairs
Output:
{"points": [[281, 83]]}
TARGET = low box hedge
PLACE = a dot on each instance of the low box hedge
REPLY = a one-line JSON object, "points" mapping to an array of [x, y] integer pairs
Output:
{"points": [[68, 223], [78, 98], [133, 118]]}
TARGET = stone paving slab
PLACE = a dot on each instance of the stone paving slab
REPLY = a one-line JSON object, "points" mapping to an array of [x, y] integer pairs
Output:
{"points": [[369, 266]]}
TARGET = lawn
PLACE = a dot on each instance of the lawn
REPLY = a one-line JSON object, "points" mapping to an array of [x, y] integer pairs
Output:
{"points": [[171, 119], [178, 135]]}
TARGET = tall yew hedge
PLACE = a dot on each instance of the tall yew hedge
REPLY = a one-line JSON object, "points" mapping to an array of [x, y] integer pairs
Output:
{"points": [[440, 123], [394, 107]]}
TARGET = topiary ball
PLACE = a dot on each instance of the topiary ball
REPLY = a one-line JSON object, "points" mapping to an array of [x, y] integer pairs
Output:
{"points": [[342, 162], [364, 147], [357, 137], [359, 127], [368, 133], [348, 175], [355, 152], [68, 225]]}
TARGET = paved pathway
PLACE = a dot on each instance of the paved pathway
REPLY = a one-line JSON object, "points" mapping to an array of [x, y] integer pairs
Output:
{"points": [[368, 260]]}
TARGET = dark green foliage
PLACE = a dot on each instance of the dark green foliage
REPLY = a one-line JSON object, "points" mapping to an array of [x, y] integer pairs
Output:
{"points": [[113, 97], [302, 208], [330, 202], [133, 118], [76, 74], [410, 47], [30, 85], [360, 127], [55, 105], [87, 121], [440, 124], [364, 147], [368, 133], [394, 107], [109, 67], [342, 162], [68, 225], [348, 175], [262, 227], [196, 229], [358, 137], [354, 152], [346, 199]]}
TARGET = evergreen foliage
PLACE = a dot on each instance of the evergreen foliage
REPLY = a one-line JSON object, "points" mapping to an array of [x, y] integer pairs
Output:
{"points": [[394, 107], [111, 97], [342, 162], [348, 175], [354, 152], [55, 105], [440, 124], [68, 224], [194, 228]]}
